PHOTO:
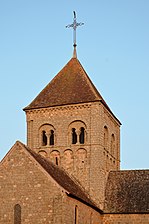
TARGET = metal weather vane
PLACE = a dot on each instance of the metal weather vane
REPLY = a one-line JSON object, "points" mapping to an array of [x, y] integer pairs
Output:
{"points": [[74, 25]]}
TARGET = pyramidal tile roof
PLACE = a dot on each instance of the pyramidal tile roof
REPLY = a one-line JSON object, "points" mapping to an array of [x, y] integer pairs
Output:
{"points": [[70, 86]]}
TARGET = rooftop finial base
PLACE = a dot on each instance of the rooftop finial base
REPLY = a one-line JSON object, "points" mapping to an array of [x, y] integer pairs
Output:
{"points": [[75, 51]]}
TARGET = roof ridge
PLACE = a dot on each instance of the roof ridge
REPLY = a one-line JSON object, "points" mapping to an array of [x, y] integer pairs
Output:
{"points": [[90, 81]]}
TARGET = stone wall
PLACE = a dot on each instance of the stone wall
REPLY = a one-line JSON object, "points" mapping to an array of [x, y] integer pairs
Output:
{"points": [[29, 195], [27, 192], [89, 162], [79, 213], [126, 219]]}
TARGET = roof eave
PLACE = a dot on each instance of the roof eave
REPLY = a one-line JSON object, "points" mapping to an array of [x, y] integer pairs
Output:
{"points": [[58, 105], [92, 205]]}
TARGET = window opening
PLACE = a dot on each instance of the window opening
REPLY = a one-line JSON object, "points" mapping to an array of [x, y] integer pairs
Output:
{"points": [[105, 137], [81, 136], [74, 136], [44, 138], [17, 214], [56, 160], [76, 214], [52, 137]]}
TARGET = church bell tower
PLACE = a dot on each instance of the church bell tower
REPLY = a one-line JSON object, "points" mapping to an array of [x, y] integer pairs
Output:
{"points": [[70, 124]]}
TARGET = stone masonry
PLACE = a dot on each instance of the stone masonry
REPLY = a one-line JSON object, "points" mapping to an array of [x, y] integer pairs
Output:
{"points": [[69, 172], [89, 162]]}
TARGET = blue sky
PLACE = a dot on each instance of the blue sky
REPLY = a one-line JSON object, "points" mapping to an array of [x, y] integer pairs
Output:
{"points": [[113, 47]]}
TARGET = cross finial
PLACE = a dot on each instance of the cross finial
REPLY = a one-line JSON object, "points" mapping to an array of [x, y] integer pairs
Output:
{"points": [[74, 25]]}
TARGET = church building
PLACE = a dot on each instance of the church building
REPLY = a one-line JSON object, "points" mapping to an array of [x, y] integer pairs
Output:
{"points": [[69, 171]]}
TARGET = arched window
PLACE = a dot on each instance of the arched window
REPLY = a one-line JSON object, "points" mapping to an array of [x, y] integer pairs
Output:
{"points": [[81, 136], [74, 136], [44, 138], [112, 144], [77, 132], [55, 157], [17, 214], [52, 137], [105, 137], [46, 135]]}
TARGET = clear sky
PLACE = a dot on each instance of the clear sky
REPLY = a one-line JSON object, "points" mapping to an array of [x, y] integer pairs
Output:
{"points": [[113, 47]]}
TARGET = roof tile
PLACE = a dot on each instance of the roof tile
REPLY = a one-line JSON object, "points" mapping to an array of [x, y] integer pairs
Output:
{"points": [[127, 192], [70, 86]]}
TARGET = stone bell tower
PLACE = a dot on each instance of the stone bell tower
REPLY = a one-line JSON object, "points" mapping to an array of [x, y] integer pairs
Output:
{"points": [[70, 124]]}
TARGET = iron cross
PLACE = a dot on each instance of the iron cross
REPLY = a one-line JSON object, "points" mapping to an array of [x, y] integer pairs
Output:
{"points": [[74, 25]]}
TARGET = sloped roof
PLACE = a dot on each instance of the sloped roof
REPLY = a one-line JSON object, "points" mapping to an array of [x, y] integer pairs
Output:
{"points": [[70, 86], [127, 192], [62, 178]]}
